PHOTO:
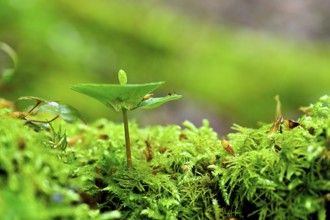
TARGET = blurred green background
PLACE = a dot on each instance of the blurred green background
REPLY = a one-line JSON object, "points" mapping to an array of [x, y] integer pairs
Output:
{"points": [[228, 68]]}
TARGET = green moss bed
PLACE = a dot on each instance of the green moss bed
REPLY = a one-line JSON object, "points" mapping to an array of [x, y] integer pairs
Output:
{"points": [[63, 170]]}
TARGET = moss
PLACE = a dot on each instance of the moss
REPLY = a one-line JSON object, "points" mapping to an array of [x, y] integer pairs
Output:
{"points": [[180, 172], [280, 176]]}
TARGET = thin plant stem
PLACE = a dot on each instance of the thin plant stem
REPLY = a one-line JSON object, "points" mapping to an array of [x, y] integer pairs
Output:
{"points": [[127, 140], [35, 106]]}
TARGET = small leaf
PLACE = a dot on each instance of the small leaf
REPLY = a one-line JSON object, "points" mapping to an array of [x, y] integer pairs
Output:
{"points": [[117, 96], [155, 102], [66, 112], [33, 98], [122, 77]]}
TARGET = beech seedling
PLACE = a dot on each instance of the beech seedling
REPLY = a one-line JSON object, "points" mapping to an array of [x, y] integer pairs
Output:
{"points": [[125, 97]]}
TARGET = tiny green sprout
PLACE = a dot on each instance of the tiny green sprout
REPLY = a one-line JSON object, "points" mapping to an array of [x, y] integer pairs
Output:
{"points": [[122, 77], [125, 97]]}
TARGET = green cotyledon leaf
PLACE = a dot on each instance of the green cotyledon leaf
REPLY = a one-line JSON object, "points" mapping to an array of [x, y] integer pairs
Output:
{"points": [[66, 112], [155, 102], [32, 98], [117, 96]]}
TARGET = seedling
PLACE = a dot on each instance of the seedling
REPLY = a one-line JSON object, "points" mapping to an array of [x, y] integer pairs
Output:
{"points": [[125, 97], [24, 115], [67, 113]]}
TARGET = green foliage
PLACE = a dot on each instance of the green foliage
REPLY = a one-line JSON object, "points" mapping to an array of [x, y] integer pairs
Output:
{"points": [[180, 172], [174, 184], [52, 108], [155, 102], [116, 96], [280, 176], [58, 138], [90, 43], [35, 183], [124, 96]]}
